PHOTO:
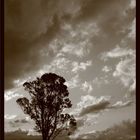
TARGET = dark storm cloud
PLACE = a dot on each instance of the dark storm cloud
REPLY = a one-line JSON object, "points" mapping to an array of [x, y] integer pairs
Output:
{"points": [[106, 11], [28, 26], [31, 25], [95, 108], [111, 16]]}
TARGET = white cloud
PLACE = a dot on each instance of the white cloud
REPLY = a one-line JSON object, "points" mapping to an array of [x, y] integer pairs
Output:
{"points": [[99, 81], [80, 66], [86, 86], [125, 71], [132, 4], [120, 104], [117, 53], [106, 69], [83, 123], [89, 118], [74, 82], [14, 122], [9, 117], [75, 40], [10, 94], [132, 33], [133, 86], [79, 50], [96, 82], [59, 63], [91, 104], [19, 82]]}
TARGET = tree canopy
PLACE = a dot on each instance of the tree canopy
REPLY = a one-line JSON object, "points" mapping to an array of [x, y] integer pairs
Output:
{"points": [[49, 98]]}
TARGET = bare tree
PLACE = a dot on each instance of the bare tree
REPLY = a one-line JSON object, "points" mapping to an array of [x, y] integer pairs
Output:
{"points": [[49, 97]]}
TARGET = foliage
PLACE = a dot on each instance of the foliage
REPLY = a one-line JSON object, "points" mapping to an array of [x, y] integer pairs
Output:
{"points": [[49, 97]]}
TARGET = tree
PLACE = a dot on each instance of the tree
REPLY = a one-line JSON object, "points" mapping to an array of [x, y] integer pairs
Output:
{"points": [[49, 97]]}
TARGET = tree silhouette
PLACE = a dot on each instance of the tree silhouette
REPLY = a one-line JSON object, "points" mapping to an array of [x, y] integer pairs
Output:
{"points": [[49, 97]]}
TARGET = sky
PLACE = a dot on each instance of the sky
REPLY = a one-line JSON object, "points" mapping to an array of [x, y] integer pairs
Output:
{"points": [[91, 43]]}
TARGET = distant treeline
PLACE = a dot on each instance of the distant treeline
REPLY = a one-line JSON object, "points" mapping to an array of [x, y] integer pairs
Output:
{"points": [[123, 131]]}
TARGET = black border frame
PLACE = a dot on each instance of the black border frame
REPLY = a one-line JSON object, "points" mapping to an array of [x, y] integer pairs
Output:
{"points": [[1, 69]]}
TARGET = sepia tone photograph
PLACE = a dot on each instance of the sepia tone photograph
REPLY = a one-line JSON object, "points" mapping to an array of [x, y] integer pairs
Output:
{"points": [[70, 69]]}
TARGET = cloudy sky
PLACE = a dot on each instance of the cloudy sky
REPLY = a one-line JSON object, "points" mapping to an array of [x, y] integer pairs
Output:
{"points": [[91, 43]]}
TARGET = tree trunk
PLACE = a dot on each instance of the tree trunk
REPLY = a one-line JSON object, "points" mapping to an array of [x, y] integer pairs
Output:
{"points": [[43, 136]]}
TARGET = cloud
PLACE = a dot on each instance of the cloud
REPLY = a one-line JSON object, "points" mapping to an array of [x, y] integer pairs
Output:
{"points": [[120, 104], [100, 81], [10, 94], [59, 63], [74, 82], [95, 8], [40, 24], [90, 104], [95, 108], [132, 33], [124, 130], [133, 4], [18, 122], [9, 117], [80, 66], [14, 122], [106, 69], [125, 71], [50, 27], [83, 123], [22, 45], [86, 86], [74, 49], [117, 52], [74, 39], [63, 37]]}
